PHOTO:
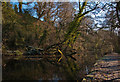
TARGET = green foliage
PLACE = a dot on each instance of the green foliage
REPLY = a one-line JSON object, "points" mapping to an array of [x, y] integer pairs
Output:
{"points": [[17, 28], [72, 31], [18, 52]]}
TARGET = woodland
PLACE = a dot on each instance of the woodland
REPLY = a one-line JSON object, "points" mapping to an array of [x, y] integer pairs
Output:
{"points": [[57, 40]]}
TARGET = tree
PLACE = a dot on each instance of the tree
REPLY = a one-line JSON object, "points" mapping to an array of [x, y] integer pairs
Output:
{"points": [[20, 6], [118, 11]]}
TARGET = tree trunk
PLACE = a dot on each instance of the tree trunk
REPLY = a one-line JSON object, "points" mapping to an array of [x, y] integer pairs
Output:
{"points": [[118, 11], [20, 6]]}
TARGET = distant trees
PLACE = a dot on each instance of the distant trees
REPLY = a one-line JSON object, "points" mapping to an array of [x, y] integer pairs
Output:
{"points": [[111, 17], [112, 22]]}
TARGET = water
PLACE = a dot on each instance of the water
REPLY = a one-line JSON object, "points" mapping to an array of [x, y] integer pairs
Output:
{"points": [[55, 78], [87, 71]]}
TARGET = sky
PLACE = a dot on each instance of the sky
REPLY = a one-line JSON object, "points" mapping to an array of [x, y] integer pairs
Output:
{"points": [[61, 0], [95, 14]]}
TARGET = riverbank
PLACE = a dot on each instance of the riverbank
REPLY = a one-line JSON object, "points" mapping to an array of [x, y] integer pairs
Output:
{"points": [[106, 69]]}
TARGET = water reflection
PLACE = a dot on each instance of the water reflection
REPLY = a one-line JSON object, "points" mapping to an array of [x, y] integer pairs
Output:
{"points": [[55, 78]]}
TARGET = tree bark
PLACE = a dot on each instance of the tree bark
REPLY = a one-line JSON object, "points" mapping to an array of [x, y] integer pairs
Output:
{"points": [[20, 6], [118, 11]]}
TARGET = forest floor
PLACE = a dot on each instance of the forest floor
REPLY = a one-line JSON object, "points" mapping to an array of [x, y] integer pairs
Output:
{"points": [[107, 68]]}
